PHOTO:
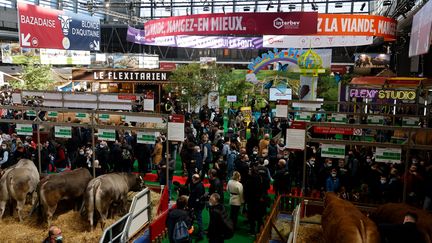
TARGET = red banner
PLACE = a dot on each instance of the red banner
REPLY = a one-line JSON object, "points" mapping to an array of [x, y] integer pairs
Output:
{"points": [[333, 130], [290, 23], [126, 97]]}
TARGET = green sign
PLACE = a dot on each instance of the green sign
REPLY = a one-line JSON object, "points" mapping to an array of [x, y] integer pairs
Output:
{"points": [[146, 137], [339, 118], [388, 155], [333, 151], [303, 116], [376, 120], [410, 121], [24, 129], [81, 115], [30, 113], [63, 132], [106, 134], [52, 114], [104, 117]]}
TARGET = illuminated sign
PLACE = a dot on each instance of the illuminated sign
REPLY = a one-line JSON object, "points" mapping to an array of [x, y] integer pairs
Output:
{"points": [[383, 94]]}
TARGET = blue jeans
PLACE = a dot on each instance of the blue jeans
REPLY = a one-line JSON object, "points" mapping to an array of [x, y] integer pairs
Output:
{"points": [[198, 216]]}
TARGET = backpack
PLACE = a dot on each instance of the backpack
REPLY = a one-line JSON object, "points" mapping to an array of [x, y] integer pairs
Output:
{"points": [[126, 155], [181, 233]]}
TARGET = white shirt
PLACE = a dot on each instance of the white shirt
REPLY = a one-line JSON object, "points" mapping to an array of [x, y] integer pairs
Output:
{"points": [[235, 188]]}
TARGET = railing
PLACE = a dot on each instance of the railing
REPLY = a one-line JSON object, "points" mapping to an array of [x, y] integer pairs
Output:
{"points": [[296, 223], [114, 233], [265, 231]]}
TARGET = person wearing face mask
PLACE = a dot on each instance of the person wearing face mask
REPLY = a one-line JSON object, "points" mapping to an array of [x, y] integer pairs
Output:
{"points": [[384, 189], [324, 171], [54, 235], [332, 183], [5, 157], [282, 182], [102, 154], [311, 174], [81, 159], [414, 184]]}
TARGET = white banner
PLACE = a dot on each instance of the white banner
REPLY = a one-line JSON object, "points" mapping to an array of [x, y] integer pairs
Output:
{"points": [[64, 57], [314, 41], [1, 79]]}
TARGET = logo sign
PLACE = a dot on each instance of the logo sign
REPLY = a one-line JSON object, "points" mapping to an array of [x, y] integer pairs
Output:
{"points": [[333, 151], [41, 27], [314, 41], [146, 137], [176, 128], [63, 132], [126, 97], [290, 23], [333, 130], [410, 121], [357, 25], [31, 113], [383, 94], [80, 115], [52, 114], [123, 75], [106, 134], [388, 155], [24, 129], [232, 98]]}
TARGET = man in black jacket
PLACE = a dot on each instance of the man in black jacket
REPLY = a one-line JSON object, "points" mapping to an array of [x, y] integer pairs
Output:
{"points": [[177, 214], [216, 185], [216, 225], [196, 202], [402, 233]]}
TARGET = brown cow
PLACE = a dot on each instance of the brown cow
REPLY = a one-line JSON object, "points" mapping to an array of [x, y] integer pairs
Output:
{"points": [[64, 185], [394, 213], [18, 181], [342, 222], [108, 189]]}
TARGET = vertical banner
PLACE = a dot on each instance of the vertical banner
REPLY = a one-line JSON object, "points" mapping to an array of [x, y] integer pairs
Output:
{"points": [[176, 128], [295, 136], [213, 100], [149, 101], [282, 108], [62, 132], [146, 137], [1, 79], [106, 135], [24, 129], [247, 114]]}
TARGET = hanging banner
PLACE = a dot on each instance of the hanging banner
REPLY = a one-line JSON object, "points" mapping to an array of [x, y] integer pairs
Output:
{"points": [[282, 108], [52, 114], [176, 128], [339, 118], [303, 116], [80, 116], [410, 121], [388, 155], [41, 27], [104, 117], [146, 137], [333, 151], [357, 25], [24, 129], [375, 120], [62, 132], [232, 98], [106, 135], [314, 41], [333, 130], [420, 38], [64, 57], [247, 114], [149, 101], [288, 23]]}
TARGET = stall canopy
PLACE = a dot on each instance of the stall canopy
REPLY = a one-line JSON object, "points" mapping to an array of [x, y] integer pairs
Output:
{"points": [[391, 81]]}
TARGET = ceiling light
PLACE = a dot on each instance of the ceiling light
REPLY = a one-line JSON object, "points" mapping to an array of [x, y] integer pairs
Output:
{"points": [[387, 3], [338, 5], [291, 6], [246, 9], [206, 8]]}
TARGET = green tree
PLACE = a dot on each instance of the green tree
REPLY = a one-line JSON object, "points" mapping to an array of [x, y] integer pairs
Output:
{"points": [[36, 77]]}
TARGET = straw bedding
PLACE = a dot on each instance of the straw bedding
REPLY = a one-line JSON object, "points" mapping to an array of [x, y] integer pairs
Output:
{"points": [[75, 228]]}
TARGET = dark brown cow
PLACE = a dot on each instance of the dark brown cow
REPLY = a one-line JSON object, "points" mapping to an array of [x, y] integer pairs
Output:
{"points": [[394, 213], [106, 190], [64, 185], [342, 222]]}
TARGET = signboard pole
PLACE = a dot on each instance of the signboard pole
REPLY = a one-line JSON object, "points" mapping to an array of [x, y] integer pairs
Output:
{"points": [[304, 161], [39, 148], [167, 157], [93, 144]]}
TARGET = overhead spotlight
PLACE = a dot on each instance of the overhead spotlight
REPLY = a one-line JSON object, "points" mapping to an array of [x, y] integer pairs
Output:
{"points": [[363, 6], [291, 6], [107, 4], [314, 7], [206, 8], [246, 9], [269, 6], [387, 3], [223, 9], [338, 5]]}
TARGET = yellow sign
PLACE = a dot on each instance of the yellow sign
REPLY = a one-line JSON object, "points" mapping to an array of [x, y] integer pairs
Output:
{"points": [[397, 94], [247, 114]]}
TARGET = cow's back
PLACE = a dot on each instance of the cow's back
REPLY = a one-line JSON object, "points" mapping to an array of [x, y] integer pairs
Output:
{"points": [[114, 184], [21, 181], [342, 222], [394, 213]]}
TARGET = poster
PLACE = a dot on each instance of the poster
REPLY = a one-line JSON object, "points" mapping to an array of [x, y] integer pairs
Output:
{"points": [[376, 120], [333, 151], [296, 136], [388, 155], [106, 135], [247, 114], [176, 128], [282, 108], [232, 98], [149, 101], [303, 116], [24, 129], [314, 41], [62, 132], [213, 100], [339, 118], [2, 82], [410, 121], [280, 94], [146, 137]]}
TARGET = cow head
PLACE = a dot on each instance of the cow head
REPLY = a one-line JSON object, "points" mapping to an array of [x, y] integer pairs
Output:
{"points": [[137, 184]]}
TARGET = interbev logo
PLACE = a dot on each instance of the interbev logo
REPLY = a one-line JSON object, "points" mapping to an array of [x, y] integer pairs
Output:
{"points": [[278, 23]]}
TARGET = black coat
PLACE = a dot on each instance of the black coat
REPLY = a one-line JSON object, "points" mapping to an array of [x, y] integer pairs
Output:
{"points": [[216, 186], [197, 191], [401, 233], [173, 217], [216, 224]]}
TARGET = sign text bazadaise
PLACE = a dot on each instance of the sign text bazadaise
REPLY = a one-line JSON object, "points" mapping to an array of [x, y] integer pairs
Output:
{"points": [[130, 75]]}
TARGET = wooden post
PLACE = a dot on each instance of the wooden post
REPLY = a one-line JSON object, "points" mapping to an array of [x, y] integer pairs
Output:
{"points": [[39, 148]]}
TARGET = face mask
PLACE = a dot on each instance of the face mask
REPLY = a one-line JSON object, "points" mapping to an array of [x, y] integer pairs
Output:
{"points": [[383, 181], [329, 165], [266, 162], [59, 238], [4, 147], [369, 160], [286, 156], [81, 152], [198, 151], [102, 145], [414, 161], [312, 162], [333, 174], [26, 144], [255, 152]]}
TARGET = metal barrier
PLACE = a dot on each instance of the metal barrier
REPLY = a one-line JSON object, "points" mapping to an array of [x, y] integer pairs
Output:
{"points": [[114, 233], [296, 222], [265, 231]]}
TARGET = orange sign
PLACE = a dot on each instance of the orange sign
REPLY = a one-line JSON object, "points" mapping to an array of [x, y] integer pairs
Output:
{"points": [[357, 25]]}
